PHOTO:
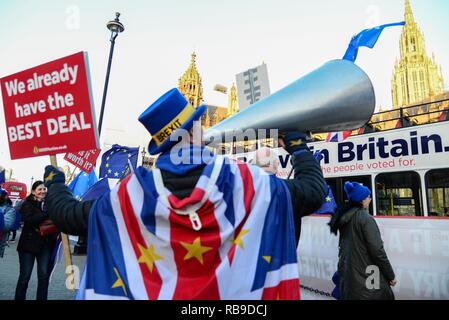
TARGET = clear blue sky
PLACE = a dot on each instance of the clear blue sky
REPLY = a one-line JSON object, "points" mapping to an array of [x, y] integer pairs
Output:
{"points": [[293, 37]]}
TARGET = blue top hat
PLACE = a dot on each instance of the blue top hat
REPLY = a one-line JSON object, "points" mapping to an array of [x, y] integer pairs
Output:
{"points": [[356, 192], [170, 112]]}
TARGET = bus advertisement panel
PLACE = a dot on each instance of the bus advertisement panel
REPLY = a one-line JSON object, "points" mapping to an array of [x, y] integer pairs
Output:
{"points": [[418, 250], [413, 148]]}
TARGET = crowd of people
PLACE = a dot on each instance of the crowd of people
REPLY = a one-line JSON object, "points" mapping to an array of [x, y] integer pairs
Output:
{"points": [[360, 243]]}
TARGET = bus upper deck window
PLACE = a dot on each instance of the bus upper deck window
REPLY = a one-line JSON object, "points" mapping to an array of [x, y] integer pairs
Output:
{"points": [[399, 194], [437, 183]]}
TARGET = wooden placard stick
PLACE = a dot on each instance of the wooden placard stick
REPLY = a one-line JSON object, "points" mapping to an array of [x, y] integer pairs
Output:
{"points": [[70, 281]]}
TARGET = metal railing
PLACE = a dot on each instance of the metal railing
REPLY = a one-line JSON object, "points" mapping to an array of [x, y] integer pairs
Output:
{"points": [[431, 112]]}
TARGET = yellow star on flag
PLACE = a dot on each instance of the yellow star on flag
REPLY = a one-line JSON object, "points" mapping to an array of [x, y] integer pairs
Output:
{"points": [[328, 199], [148, 256], [50, 177], [115, 174], [267, 258], [109, 171], [107, 165], [195, 250], [295, 143], [239, 240], [119, 282]]}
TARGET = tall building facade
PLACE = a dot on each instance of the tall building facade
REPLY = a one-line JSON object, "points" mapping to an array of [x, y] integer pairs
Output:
{"points": [[190, 85], [416, 76]]}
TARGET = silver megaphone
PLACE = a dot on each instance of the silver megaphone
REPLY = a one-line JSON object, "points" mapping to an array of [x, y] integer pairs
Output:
{"points": [[338, 96]]}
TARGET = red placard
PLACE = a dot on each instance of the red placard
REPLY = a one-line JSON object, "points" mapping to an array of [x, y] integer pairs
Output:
{"points": [[16, 190], [49, 110], [84, 160]]}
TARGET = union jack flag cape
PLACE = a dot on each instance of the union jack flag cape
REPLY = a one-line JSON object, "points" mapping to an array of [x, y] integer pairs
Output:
{"points": [[232, 238]]}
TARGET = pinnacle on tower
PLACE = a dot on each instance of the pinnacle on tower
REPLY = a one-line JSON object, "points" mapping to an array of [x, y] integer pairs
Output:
{"points": [[409, 18]]}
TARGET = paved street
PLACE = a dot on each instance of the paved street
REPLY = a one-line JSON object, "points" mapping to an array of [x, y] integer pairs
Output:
{"points": [[9, 273]]}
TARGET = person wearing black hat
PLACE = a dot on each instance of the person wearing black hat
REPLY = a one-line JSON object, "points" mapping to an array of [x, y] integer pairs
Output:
{"points": [[170, 121], [364, 271]]}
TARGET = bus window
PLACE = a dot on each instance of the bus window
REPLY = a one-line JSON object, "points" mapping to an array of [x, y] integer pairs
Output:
{"points": [[399, 194], [337, 186], [437, 183]]}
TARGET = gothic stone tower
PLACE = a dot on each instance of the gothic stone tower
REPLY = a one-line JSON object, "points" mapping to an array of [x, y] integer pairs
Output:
{"points": [[190, 84], [416, 77]]}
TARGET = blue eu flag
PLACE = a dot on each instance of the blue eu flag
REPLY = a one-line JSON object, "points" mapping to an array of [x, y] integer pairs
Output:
{"points": [[114, 162], [329, 206], [82, 182], [97, 190], [366, 38]]}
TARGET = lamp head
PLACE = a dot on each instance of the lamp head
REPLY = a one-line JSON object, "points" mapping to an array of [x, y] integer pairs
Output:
{"points": [[115, 26]]}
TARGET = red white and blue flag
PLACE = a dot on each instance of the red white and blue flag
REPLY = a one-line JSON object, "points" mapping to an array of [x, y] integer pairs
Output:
{"points": [[231, 239], [338, 136]]}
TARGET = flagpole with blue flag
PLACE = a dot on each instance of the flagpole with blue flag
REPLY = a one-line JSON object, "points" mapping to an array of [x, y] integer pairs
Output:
{"points": [[366, 38], [115, 161], [82, 182]]}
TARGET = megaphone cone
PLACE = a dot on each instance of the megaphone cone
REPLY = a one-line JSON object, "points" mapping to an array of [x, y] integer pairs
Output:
{"points": [[338, 96]]}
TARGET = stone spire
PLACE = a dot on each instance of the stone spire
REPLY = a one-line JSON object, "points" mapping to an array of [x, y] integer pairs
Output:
{"points": [[233, 105], [409, 18], [190, 84], [415, 77]]}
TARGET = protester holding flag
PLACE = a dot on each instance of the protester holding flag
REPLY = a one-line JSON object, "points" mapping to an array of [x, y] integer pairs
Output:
{"points": [[32, 246], [205, 227]]}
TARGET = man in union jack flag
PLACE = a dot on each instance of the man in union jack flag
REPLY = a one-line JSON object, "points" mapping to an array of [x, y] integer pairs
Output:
{"points": [[199, 226]]}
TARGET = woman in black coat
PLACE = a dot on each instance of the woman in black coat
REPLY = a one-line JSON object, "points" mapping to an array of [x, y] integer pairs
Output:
{"points": [[363, 267], [32, 246]]}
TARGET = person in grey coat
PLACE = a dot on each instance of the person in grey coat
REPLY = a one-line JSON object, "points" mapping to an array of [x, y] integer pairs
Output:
{"points": [[363, 267]]}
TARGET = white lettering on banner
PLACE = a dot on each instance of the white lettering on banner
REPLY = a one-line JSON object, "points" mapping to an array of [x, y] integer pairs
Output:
{"points": [[60, 125], [445, 243], [26, 131], [57, 101], [29, 108], [395, 241], [48, 79], [317, 267], [12, 87], [417, 249], [421, 242]]}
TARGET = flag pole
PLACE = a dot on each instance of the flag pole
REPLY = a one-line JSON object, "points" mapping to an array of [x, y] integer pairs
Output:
{"points": [[66, 246]]}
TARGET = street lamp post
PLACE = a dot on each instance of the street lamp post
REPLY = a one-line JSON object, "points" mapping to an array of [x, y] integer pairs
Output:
{"points": [[116, 27]]}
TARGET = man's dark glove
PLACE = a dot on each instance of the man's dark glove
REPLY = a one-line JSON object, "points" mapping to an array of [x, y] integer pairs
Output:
{"points": [[53, 175], [295, 141]]}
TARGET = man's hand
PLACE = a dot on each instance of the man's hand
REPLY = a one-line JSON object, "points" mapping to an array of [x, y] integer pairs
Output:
{"points": [[293, 141], [393, 283], [53, 175]]}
